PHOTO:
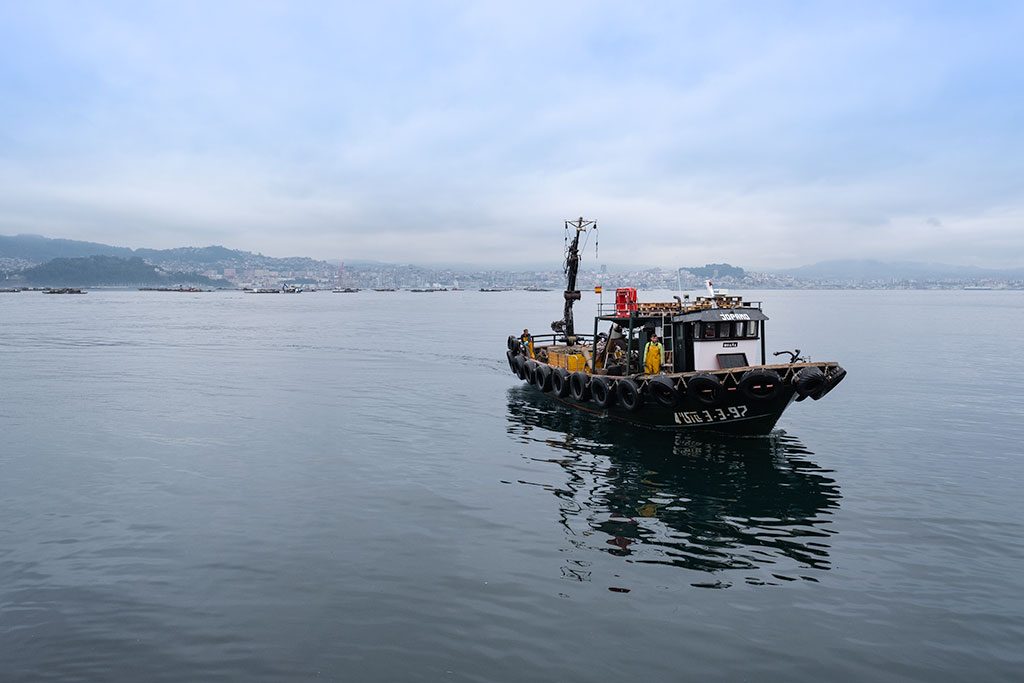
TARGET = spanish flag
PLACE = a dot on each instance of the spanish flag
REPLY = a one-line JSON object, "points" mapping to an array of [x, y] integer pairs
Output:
{"points": [[597, 289]]}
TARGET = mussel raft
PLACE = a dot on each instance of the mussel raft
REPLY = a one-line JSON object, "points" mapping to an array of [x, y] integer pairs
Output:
{"points": [[705, 383]]}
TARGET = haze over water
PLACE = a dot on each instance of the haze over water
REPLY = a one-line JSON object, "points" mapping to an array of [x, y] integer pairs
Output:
{"points": [[221, 486]]}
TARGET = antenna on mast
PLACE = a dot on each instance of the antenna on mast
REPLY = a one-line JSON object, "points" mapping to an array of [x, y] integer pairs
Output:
{"points": [[572, 266]]}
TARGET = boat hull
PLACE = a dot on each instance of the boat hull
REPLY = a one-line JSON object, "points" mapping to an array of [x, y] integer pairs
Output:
{"points": [[734, 414]]}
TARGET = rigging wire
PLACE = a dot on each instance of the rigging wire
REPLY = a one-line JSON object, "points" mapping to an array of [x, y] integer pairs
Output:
{"points": [[568, 248], [586, 240]]}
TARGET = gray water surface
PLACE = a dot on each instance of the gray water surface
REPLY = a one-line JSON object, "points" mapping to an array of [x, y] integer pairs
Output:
{"points": [[221, 486]]}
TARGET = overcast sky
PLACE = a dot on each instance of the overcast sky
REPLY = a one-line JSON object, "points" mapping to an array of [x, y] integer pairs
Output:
{"points": [[758, 133]]}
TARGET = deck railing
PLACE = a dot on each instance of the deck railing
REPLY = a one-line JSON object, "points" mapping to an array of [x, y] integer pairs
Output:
{"points": [[558, 338]]}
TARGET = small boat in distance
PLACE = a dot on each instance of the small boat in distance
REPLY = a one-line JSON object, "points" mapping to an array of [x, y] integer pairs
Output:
{"points": [[262, 290], [680, 365], [383, 289], [346, 290], [64, 290]]}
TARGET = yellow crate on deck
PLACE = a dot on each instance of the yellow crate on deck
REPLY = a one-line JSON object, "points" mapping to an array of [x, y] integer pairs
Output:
{"points": [[570, 361]]}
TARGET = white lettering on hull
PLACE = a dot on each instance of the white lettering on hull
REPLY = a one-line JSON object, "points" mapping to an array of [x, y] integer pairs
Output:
{"points": [[691, 417]]}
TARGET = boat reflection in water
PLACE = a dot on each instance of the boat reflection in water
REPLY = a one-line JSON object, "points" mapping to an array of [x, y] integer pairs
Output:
{"points": [[757, 510]]}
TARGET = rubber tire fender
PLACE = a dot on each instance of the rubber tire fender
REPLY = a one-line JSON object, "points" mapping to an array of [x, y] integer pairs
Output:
{"points": [[809, 382], [542, 377], [511, 360], [768, 380], [513, 344], [629, 395], [579, 386], [664, 392], [520, 367], [602, 391], [560, 382], [531, 367], [704, 388], [831, 380]]}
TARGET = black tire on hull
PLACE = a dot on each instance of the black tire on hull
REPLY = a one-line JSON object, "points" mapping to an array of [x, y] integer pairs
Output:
{"points": [[760, 385], [560, 382], [664, 392], [542, 377], [511, 360], [809, 382], [520, 367], [513, 344], [628, 392], [531, 367], [704, 389], [579, 386], [602, 390], [831, 380]]}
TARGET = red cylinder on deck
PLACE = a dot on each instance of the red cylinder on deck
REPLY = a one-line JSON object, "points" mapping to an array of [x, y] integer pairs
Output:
{"points": [[625, 300]]}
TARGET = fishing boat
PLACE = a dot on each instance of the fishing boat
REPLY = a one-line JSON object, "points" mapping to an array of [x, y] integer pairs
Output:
{"points": [[683, 365]]}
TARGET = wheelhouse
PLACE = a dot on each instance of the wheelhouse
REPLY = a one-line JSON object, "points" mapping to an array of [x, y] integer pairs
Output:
{"points": [[706, 334]]}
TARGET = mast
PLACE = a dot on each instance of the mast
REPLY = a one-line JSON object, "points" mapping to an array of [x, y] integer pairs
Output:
{"points": [[572, 267]]}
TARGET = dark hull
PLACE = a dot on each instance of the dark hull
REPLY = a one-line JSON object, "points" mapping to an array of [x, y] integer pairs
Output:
{"points": [[744, 401], [735, 413]]}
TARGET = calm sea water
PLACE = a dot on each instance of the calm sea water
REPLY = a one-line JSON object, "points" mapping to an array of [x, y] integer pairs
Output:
{"points": [[231, 487]]}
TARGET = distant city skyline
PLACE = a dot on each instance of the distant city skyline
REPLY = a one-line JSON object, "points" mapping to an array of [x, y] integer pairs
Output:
{"points": [[19, 254], [769, 136]]}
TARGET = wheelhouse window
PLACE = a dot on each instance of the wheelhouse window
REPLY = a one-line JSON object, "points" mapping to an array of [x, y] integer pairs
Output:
{"points": [[740, 329]]}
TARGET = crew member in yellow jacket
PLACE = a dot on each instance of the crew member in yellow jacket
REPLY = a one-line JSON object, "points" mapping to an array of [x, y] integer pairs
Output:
{"points": [[654, 356], [527, 343]]}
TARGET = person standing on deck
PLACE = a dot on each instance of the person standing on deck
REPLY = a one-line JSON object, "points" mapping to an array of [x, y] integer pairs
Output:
{"points": [[527, 342], [654, 356]]}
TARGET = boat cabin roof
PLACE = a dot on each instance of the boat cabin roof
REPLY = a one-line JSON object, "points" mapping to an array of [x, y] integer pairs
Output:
{"points": [[726, 314], [700, 316], [721, 308]]}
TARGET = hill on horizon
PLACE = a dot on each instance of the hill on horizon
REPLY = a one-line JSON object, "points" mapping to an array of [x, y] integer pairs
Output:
{"points": [[93, 271], [39, 249], [42, 249], [716, 270]]}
